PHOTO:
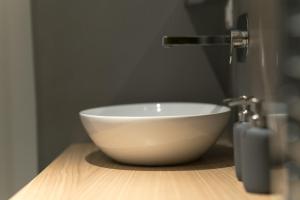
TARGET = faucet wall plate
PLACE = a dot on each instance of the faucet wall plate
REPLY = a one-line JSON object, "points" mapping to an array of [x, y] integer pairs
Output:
{"points": [[242, 25], [239, 41]]}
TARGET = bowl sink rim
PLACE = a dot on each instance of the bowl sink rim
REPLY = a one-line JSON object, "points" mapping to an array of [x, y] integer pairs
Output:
{"points": [[86, 113]]}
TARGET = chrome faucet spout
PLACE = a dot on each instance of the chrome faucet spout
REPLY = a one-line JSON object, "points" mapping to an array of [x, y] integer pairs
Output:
{"points": [[204, 40], [235, 39]]}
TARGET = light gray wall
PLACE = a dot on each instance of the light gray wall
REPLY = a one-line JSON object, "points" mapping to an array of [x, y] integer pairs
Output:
{"points": [[18, 134], [101, 52], [259, 75]]}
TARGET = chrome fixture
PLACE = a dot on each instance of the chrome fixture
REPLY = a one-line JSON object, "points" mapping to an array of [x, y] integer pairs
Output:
{"points": [[237, 101], [238, 39], [243, 102]]}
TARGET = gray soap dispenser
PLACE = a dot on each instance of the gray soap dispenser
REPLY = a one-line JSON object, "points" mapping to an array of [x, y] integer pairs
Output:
{"points": [[239, 129], [255, 156]]}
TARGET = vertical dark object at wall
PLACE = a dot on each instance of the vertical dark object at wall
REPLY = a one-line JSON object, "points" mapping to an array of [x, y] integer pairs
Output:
{"points": [[242, 25]]}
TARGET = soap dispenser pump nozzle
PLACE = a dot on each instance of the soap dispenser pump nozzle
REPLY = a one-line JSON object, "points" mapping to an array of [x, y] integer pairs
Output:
{"points": [[243, 104], [257, 119]]}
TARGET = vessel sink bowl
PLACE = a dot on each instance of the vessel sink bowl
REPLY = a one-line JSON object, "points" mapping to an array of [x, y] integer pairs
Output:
{"points": [[155, 133]]}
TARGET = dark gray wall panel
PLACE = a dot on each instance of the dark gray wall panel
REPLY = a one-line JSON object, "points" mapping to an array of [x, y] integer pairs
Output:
{"points": [[101, 52]]}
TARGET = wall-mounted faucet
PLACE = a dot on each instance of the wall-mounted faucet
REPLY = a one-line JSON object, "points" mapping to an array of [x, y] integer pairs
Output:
{"points": [[238, 39]]}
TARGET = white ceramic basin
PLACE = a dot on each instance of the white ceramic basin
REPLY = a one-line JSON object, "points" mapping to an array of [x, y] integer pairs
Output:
{"points": [[155, 133]]}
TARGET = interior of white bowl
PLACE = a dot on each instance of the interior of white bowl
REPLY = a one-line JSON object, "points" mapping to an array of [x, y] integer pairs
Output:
{"points": [[156, 110]]}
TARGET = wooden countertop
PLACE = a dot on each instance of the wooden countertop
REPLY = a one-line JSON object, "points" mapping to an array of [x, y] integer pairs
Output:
{"points": [[83, 172]]}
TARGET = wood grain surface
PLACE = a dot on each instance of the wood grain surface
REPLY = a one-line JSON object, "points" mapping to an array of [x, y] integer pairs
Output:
{"points": [[83, 172]]}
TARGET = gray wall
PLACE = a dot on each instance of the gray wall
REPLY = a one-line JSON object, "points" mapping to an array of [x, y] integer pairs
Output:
{"points": [[259, 75], [101, 52]]}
